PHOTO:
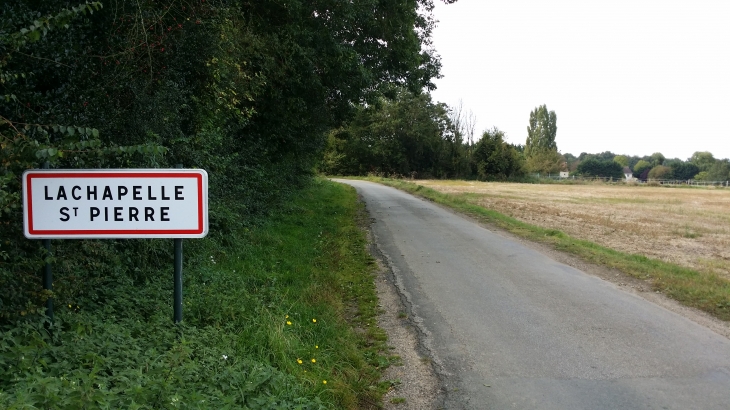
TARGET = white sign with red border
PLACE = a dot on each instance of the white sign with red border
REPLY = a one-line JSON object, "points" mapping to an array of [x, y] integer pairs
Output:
{"points": [[115, 203]]}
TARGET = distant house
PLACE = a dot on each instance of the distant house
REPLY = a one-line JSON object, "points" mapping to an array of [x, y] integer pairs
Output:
{"points": [[628, 174], [564, 174]]}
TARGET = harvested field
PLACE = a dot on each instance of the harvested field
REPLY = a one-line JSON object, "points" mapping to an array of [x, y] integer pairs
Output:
{"points": [[686, 226]]}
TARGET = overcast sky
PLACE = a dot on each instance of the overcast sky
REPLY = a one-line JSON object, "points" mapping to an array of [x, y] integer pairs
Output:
{"points": [[631, 77]]}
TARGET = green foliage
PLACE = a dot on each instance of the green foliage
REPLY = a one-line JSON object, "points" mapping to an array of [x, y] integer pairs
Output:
{"points": [[545, 161], [307, 266], [657, 159], [684, 170], [405, 135], [244, 90], [541, 131], [640, 167], [718, 171], [592, 167], [703, 160], [494, 158], [660, 172], [621, 160], [541, 151]]}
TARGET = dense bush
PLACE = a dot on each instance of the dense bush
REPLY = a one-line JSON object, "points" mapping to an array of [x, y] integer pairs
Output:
{"points": [[684, 170], [403, 135], [495, 159], [660, 172], [245, 90], [600, 168]]}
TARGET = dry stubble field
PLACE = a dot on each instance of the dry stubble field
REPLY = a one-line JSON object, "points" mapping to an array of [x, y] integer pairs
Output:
{"points": [[686, 226]]}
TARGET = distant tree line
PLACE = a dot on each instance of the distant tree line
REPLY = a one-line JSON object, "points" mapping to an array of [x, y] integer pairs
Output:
{"points": [[701, 166], [405, 133]]}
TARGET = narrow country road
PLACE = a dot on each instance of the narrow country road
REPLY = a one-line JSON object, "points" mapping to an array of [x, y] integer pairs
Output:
{"points": [[511, 328]]}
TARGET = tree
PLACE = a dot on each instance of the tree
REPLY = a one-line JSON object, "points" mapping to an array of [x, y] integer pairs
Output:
{"points": [[657, 159], [541, 151], [244, 89], [703, 159], [622, 160], [407, 134], [546, 161], [640, 167], [593, 167], [541, 131], [684, 170], [495, 159], [719, 171], [660, 172], [571, 161]]}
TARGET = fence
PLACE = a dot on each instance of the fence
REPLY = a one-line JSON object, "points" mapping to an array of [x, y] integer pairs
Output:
{"points": [[691, 182]]}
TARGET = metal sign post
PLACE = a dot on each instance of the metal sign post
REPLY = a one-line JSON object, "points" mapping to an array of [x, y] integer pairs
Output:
{"points": [[116, 203], [48, 273], [177, 279]]}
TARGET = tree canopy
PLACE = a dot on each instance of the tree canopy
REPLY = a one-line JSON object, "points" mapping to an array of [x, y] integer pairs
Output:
{"points": [[541, 131], [244, 89], [593, 167]]}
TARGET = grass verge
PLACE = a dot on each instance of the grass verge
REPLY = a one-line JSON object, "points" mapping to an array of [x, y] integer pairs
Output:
{"points": [[283, 317], [704, 291]]}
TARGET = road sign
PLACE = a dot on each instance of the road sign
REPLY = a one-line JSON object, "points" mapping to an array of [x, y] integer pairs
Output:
{"points": [[115, 203]]}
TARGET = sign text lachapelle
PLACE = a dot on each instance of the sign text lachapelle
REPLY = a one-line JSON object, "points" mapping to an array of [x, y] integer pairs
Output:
{"points": [[119, 203]]}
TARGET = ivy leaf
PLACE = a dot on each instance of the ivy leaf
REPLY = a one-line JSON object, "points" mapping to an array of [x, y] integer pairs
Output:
{"points": [[52, 152], [95, 132]]}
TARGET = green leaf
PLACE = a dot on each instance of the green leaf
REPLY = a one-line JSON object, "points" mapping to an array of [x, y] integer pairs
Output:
{"points": [[34, 35], [71, 131], [95, 132], [62, 128], [52, 152], [87, 131]]}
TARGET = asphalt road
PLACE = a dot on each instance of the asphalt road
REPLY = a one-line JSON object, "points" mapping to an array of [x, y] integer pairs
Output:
{"points": [[513, 329]]}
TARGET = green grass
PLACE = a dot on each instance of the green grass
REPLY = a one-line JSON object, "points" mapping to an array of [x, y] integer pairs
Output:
{"points": [[283, 317], [704, 291]]}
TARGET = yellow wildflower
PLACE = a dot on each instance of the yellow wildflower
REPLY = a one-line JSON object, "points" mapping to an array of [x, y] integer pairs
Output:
{"points": [[324, 381], [314, 360], [288, 323], [299, 361]]}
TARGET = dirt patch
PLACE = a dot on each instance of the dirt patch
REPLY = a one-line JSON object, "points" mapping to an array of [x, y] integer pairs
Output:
{"points": [[414, 385], [688, 227], [413, 380]]}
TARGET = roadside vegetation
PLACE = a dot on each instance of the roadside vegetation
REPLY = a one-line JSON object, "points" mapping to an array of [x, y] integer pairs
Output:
{"points": [[246, 90], [282, 316], [702, 289]]}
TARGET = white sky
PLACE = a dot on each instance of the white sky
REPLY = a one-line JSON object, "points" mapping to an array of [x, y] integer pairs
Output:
{"points": [[631, 77]]}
